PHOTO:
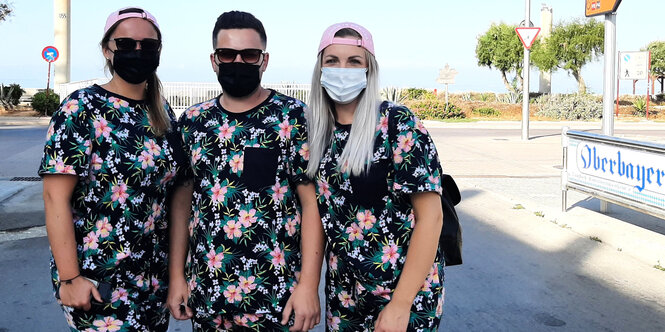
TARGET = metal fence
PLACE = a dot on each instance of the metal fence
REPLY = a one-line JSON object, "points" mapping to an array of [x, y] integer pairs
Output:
{"points": [[181, 95]]}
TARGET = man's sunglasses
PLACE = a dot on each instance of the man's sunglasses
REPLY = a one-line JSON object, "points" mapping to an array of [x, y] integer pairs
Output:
{"points": [[248, 55], [129, 44]]}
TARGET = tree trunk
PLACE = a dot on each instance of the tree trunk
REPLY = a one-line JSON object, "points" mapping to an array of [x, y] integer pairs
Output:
{"points": [[661, 84], [581, 86], [506, 83]]}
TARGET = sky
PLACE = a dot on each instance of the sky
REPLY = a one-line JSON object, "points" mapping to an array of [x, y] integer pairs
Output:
{"points": [[413, 39]]}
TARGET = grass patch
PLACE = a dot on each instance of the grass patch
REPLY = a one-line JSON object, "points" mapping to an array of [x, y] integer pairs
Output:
{"points": [[518, 207], [595, 238], [539, 214], [659, 267]]}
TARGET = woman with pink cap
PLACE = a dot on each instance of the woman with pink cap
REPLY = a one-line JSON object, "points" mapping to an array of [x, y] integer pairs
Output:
{"points": [[112, 153], [377, 174]]}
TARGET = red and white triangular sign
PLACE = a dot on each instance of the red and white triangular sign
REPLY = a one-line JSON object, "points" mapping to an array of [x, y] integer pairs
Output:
{"points": [[527, 35]]}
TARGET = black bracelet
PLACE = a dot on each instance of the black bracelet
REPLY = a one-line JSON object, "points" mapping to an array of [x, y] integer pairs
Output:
{"points": [[69, 281]]}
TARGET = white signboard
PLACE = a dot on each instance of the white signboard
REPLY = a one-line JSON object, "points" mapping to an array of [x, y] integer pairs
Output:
{"points": [[633, 65], [622, 172], [447, 75]]}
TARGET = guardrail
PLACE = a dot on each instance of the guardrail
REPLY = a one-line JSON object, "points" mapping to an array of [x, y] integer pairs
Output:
{"points": [[181, 95], [621, 171]]}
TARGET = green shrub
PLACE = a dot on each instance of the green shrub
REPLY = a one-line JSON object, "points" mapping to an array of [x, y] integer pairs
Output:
{"points": [[640, 106], [576, 106], [12, 93], [45, 105], [415, 93], [434, 109], [486, 111]]}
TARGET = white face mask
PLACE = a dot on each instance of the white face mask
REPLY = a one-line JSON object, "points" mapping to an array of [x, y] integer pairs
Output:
{"points": [[343, 84]]}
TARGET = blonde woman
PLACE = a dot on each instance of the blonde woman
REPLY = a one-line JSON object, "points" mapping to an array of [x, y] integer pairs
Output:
{"points": [[378, 184], [109, 160]]}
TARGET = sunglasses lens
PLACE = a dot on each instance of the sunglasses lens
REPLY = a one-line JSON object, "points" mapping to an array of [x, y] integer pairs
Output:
{"points": [[125, 44], [250, 56], [150, 44], [226, 55]]}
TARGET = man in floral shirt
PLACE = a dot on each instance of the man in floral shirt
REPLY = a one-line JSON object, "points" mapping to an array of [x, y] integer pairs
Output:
{"points": [[250, 200]]}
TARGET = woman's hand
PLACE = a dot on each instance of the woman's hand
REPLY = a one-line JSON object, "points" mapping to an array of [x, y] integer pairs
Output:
{"points": [[304, 303], [393, 318], [177, 299], [77, 293]]}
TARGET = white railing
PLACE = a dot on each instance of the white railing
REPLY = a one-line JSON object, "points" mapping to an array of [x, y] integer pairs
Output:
{"points": [[181, 95]]}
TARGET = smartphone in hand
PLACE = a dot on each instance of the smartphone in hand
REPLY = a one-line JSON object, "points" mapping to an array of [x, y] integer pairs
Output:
{"points": [[104, 289]]}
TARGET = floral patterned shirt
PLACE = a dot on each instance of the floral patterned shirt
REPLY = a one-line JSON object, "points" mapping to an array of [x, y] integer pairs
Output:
{"points": [[245, 225], [368, 220], [124, 174]]}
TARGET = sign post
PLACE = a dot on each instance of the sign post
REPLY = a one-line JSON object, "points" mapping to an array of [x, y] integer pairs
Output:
{"points": [[447, 76], [527, 35], [634, 66], [50, 54]]}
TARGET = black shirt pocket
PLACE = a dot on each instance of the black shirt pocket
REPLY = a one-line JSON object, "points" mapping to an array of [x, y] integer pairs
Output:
{"points": [[260, 168], [370, 189]]}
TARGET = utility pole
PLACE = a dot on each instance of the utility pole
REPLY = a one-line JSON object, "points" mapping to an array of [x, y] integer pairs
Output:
{"points": [[525, 78], [609, 77]]}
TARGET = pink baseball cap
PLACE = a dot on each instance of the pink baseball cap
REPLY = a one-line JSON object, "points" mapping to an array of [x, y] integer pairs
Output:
{"points": [[128, 12], [329, 38]]}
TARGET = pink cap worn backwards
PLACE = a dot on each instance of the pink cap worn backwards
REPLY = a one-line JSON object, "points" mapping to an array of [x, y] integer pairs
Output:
{"points": [[329, 38], [128, 12]]}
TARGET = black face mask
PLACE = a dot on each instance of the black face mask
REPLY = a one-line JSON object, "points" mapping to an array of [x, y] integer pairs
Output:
{"points": [[135, 66], [238, 79]]}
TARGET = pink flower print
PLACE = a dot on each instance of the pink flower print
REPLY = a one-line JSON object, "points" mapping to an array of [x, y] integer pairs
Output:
{"points": [[214, 259], [90, 241], [149, 225], [383, 124], [346, 299], [219, 321], [226, 132], [120, 294], [168, 177], [355, 232], [196, 155], [108, 324], [434, 274], [383, 292], [119, 192], [333, 321], [232, 229], [439, 305], [193, 112], [70, 107], [390, 254], [96, 162], [251, 317], [397, 156], [233, 294], [278, 192], [291, 226], [277, 258], [146, 160], [427, 284], [247, 284], [237, 163], [240, 320], [247, 218], [120, 255], [139, 280], [411, 219], [332, 262], [397, 186], [365, 219], [324, 188], [207, 105], [218, 193], [405, 142], [153, 147], [50, 132], [154, 282], [117, 102], [156, 210], [101, 128], [285, 130], [420, 126], [304, 151], [61, 168], [104, 227], [87, 146]]}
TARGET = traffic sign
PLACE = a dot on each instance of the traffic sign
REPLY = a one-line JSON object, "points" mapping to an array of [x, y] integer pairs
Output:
{"points": [[599, 7], [527, 35], [50, 53], [633, 65]]}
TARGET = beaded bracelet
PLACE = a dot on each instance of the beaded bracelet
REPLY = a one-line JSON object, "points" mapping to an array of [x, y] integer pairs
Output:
{"points": [[69, 281]]}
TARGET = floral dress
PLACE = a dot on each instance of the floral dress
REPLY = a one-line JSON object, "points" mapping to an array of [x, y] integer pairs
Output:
{"points": [[244, 250], [368, 221], [119, 204]]}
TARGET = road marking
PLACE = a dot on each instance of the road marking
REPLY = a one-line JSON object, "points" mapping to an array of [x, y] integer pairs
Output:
{"points": [[28, 233]]}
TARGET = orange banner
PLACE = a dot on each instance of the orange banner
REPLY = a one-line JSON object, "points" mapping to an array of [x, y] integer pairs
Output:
{"points": [[599, 7]]}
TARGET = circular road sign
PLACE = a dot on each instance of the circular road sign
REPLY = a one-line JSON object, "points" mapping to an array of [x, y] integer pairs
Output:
{"points": [[50, 53]]}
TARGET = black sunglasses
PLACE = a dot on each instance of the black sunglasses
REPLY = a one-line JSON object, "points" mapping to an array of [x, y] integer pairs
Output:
{"points": [[248, 55], [129, 44]]}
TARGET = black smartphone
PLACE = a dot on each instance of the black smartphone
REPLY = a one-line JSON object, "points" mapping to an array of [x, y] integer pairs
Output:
{"points": [[104, 288]]}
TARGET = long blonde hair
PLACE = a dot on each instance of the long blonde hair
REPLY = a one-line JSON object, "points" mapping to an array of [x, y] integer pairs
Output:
{"points": [[159, 120], [357, 156]]}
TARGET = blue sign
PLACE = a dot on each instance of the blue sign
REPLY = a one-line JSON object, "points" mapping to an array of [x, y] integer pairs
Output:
{"points": [[50, 53]]}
